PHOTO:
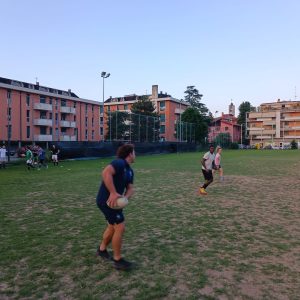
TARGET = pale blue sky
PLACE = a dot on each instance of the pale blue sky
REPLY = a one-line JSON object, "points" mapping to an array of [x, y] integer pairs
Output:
{"points": [[229, 49]]}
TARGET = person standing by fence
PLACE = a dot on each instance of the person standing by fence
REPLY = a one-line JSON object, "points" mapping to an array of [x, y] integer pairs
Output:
{"points": [[3, 157], [54, 152]]}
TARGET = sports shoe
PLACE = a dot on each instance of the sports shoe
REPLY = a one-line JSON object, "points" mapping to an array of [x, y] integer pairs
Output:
{"points": [[202, 191], [122, 264], [103, 254]]}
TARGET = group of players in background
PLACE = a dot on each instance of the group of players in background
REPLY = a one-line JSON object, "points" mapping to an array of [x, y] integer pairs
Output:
{"points": [[36, 157]]}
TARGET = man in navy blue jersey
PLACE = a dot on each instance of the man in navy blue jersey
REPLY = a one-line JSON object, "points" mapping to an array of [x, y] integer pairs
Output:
{"points": [[117, 181]]}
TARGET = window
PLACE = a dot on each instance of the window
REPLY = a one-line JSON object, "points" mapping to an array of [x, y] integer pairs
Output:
{"points": [[43, 115], [74, 105], [162, 129], [86, 122], [27, 99], [8, 97], [163, 118], [74, 118], [108, 108], [63, 117], [101, 120], [43, 130], [9, 114], [101, 109], [162, 105], [125, 106], [101, 131], [50, 101], [50, 130], [93, 133], [28, 132], [63, 103], [28, 115], [50, 116], [92, 108], [92, 122], [86, 134], [86, 108], [42, 99], [56, 132], [56, 118]]}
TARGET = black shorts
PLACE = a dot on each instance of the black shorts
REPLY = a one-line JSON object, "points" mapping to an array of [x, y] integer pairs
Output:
{"points": [[207, 174], [113, 216]]}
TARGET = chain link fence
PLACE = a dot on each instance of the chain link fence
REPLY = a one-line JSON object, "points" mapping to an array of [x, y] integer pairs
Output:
{"points": [[125, 126]]}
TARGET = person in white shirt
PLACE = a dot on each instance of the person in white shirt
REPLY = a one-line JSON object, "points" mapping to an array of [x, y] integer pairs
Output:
{"points": [[217, 165], [207, 166], [2, 157]]}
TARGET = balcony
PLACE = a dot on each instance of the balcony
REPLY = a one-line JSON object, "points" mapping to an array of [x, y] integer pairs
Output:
{"points": [[67, 124], [291, 118], [43, 138], [42, 122], [269, 131], [67, 110], [68, 138], [179, 111], [269, 122], [43, 106]]}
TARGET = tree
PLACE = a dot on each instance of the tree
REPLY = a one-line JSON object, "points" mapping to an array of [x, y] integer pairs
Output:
{"points": [[117, 127], [144, 122], [223, 139], [193, 98], [244, 108], [193, 115]]}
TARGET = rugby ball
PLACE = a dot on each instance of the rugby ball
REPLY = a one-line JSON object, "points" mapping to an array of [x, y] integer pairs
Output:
{"points": [[121, 203]]}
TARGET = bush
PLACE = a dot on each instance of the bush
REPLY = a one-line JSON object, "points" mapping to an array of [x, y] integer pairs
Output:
{"points": [[234, 146], [294, 145]]}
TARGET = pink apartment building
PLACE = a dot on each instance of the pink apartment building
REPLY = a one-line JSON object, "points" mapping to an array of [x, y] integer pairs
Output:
{"points": [[31, 113], [227, 123]]}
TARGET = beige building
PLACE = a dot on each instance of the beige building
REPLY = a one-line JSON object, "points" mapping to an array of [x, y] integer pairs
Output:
{"points": [[276, 124]]}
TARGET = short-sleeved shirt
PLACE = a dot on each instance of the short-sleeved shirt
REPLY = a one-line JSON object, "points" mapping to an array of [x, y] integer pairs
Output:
{"points": [[2, 154], [218, 159], [209, 158], [123, 177], [28, 154], [55, 151]]}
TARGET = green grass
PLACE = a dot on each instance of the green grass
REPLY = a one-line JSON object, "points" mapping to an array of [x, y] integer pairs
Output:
{"points": [[241, 241]]}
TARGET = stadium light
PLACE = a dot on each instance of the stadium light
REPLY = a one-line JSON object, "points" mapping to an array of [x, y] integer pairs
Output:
{"points": [[103, 75]]}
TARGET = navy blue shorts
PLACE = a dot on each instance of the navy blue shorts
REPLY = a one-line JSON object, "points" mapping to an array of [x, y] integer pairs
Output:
{"points": [[113, 216]]}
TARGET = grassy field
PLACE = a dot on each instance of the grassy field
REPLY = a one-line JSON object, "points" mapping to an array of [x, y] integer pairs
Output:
{"points": [[242, 241]]}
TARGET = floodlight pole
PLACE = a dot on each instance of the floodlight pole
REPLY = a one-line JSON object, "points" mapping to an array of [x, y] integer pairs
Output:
{"points": [[103, 75]]}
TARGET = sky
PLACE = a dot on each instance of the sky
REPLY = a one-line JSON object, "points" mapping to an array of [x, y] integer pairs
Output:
{"points": [[230, 50]]}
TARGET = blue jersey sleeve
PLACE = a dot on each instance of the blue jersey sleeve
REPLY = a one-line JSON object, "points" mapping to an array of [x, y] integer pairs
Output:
{"points": [[118, 165]]}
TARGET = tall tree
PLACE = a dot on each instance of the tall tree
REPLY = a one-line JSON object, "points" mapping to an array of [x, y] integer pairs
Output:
{"points": [[193, 115], [244, 108], [117, 127], [144, 121], [193, 98]]}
